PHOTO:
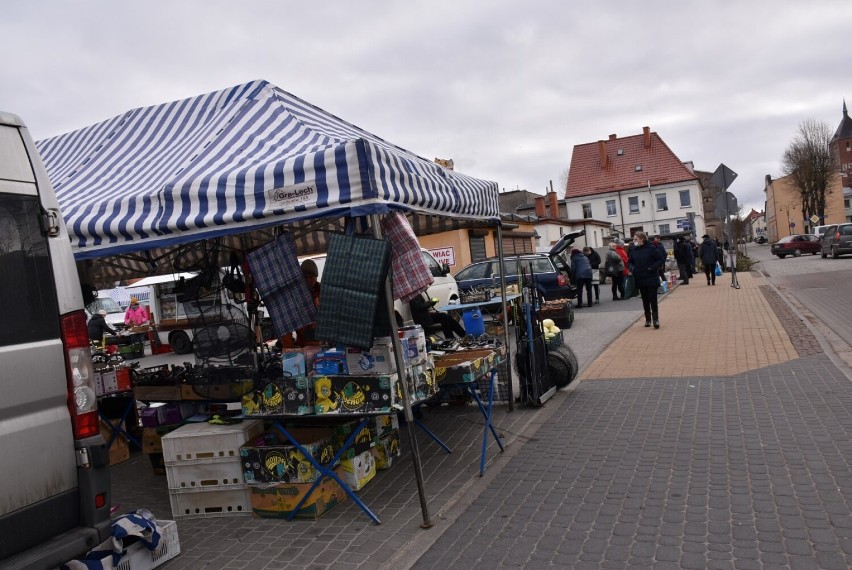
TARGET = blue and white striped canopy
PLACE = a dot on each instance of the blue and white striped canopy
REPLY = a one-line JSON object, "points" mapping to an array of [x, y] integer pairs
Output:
{"points": [[239, 159]]}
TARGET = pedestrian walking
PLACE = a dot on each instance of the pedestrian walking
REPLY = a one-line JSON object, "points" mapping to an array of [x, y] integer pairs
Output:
{"points": [[615, 268], [581, 275], [595, 262], [659, 245], [645, 261], [709, 254], [682, 254]]}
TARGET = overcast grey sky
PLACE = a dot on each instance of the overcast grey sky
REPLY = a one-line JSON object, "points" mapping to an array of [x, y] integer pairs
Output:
{"points": [[505, 89]]}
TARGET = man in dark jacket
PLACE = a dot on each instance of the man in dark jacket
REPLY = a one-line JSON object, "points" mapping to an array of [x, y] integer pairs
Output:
{"points": [[646, 260], [683, 255], [659, 245], [709, 254], [98, 326], [424, 314], [581, 276]]}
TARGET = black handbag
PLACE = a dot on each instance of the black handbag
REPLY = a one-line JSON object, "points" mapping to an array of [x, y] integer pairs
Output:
{"points": [[233, 279]]}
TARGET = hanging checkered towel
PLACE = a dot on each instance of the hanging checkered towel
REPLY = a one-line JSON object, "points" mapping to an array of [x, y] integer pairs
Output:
{"points": [[279, 280], [353, 282], [410, 275], [135, 526]]}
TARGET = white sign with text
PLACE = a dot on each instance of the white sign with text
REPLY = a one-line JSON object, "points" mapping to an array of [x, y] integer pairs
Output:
{"points": [[444, 255]]}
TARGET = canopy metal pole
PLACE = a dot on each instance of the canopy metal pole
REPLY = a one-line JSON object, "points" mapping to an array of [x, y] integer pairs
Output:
{"points": [[505, 318], [403, 379]]}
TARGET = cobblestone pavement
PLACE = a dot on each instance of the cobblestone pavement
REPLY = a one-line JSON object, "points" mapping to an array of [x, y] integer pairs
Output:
{"points": [[745, 464]]}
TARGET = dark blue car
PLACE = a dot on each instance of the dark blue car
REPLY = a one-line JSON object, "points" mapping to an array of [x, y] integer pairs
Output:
{"points": [[550, 271]]}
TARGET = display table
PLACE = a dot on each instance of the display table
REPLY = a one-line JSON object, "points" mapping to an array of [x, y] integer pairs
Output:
{"points": [[467, 368], [464, 306]]}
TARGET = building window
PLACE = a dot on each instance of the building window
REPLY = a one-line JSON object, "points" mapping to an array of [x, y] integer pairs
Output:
{"points": [[846, 203], [634, 204], [611, 211], [662, 203], [664, 229], [685, 200], [587, 210]]}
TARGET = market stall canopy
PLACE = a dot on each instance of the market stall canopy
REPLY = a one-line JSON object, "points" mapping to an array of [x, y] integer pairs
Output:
{"points": [[244, 160]]}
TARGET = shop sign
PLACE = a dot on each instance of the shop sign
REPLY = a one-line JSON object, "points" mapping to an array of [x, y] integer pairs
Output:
{"points": [[444, 255]]}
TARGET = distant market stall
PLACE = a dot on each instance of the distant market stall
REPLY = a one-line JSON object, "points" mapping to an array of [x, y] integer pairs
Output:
{"points": [[242, 165]]}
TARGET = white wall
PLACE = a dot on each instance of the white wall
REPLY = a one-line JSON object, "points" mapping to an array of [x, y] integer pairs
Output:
{"points": [[649, 217]]}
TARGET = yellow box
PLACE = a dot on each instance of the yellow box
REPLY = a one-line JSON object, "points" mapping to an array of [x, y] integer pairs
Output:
{"points": [[386, 450], [359, 470], [277, 500]]}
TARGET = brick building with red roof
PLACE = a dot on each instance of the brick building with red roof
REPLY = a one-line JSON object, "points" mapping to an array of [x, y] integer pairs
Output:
{"points": [[634, 183]]}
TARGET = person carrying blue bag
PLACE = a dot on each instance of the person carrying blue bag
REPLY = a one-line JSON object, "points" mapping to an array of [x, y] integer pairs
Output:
{"points": [[709, 254], [645, 261]]}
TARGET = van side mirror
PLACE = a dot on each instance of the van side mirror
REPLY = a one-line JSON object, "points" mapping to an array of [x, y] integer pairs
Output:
{"points": [[445, 269]]}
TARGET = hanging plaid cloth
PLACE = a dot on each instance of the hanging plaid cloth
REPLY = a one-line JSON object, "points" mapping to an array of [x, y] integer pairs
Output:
{"points": [[353, 282], [410, 275], [282, 287]]}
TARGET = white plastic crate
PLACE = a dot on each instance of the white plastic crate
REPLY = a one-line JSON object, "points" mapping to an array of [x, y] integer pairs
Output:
{"points": [[205, 473], [210, 502], [203, 441], [138, 557]]}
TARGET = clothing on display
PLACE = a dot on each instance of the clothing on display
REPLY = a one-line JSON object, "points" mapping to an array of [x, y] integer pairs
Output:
{"points": [[410, 276]]}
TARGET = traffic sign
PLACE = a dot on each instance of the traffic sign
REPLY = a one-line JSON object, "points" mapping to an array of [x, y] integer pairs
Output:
{"points": [[723, 177], [815, 219]]}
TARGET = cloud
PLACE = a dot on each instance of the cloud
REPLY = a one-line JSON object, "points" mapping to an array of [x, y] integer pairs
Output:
{"points": [[506, 89]]}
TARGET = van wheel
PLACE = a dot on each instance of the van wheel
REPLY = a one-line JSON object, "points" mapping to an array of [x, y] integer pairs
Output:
{"points": [[797, 253], [180, 342], [834, 254]]}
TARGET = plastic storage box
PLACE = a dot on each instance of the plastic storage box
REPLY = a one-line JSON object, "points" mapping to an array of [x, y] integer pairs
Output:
{"points": [[138, 557], [194, 442]]}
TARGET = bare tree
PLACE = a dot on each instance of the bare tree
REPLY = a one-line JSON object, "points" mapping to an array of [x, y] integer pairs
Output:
{"points": [[810, 164], [563, 181]]}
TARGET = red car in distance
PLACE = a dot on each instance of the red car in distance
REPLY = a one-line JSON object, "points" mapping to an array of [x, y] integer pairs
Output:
{"points": [[796, 245]]}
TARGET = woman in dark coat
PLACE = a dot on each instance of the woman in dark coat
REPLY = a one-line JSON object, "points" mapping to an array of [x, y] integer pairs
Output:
{"points": [[645, 261]]}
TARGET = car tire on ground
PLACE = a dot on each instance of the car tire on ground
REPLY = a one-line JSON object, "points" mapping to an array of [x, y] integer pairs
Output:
{"points": [[780, 256], [824, 254], [797, 253], [180, 342], [563, 357]]}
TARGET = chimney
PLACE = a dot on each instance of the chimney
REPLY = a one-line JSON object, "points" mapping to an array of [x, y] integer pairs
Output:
{"points": [[554, 205], [612, 137], [603, 157], [647, 132], [539, 207]]}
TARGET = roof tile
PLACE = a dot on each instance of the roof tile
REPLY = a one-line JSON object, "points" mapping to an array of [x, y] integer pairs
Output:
{"points": [[659, 166]]}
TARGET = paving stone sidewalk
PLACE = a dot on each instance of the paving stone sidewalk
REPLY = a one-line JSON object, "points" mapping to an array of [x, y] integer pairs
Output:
{"points": [[742, 463]]}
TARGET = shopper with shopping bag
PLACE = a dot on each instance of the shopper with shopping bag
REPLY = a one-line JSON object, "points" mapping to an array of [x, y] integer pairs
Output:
{"points": [[709, 255]]}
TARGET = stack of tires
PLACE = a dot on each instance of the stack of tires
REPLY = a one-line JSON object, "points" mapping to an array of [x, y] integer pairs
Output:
{"points": [[562, 366]]}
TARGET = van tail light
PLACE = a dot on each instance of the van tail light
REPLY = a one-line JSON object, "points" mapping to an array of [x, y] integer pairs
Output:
{"points": [[561, 280], [80, 375], [837, 235]]}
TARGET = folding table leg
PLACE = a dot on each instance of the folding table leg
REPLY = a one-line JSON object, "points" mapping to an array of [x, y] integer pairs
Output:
{"points": [[326, 472], [434, 437]]}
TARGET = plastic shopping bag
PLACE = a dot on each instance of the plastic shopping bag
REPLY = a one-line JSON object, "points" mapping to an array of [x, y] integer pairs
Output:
{"points": [[718, 270]]}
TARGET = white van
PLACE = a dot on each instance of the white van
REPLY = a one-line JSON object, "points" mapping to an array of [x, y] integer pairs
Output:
{"points": [[54, 465], [444, 288]]}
